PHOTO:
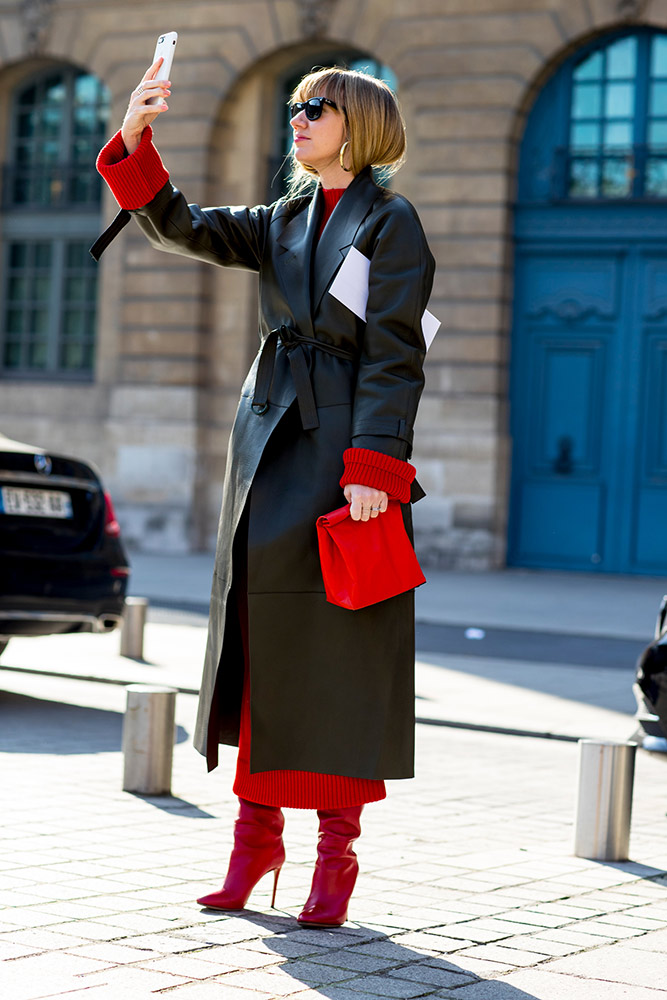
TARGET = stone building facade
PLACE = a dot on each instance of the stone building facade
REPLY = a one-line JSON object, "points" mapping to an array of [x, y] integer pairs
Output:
{"points": [[173, 339]]}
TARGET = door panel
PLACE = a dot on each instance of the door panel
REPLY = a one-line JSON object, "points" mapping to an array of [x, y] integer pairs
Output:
{"points": [[567, 320], [649, 501], [589, 409], [567, 403], [560, 524]]}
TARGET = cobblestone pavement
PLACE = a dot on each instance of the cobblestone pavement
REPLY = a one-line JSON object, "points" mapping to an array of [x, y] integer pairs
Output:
{"points": [[468, 888]]}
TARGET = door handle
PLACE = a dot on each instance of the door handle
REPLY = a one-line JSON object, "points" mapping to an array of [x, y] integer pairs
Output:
{"points": [[563, 463]]}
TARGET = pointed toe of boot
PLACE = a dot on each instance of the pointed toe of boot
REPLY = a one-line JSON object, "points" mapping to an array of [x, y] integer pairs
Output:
{"points": [[220, 901]]}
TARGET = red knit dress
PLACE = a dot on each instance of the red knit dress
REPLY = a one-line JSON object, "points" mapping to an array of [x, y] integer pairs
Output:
{"points": [[297, 789]]}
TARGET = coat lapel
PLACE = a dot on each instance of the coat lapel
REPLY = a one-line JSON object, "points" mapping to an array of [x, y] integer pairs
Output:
{"points": [[294, 264], [340, 231]]}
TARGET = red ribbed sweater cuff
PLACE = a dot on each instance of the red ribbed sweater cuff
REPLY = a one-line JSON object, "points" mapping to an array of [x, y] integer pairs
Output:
{"points": [[136, 179], [379, 471]]}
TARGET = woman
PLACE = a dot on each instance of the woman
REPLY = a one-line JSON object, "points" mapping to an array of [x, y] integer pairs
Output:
{"points": [[319, 699]]}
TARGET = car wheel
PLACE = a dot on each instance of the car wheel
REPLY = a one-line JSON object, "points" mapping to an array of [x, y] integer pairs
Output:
{"points": [[3, 645]]}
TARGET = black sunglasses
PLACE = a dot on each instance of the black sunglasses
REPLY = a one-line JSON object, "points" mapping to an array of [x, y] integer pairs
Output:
{"points": [[313, 107]]}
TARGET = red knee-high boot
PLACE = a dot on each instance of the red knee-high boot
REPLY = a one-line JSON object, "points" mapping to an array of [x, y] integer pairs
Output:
{"points": [[258, 849], [336, 868]]}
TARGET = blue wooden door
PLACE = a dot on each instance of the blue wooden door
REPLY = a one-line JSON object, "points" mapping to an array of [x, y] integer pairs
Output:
{"points": [[590, 419], [589, 347]]}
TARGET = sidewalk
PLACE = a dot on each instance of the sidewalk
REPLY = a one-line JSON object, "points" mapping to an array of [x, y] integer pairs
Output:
{"points": [[580, 603], [468, 888], [571, 699]]}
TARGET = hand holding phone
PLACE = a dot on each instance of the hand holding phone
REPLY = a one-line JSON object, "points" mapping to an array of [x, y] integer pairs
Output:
{"points": [[147, 101]]}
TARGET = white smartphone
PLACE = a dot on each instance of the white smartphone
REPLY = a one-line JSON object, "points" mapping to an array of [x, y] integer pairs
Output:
{"points": [[165, 47]]}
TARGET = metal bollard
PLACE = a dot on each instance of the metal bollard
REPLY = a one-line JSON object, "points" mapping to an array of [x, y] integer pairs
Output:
{"points": [[132, 628], [148, 739], [604, 806]]}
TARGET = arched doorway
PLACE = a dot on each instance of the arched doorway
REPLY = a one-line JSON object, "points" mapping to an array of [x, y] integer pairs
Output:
{"points": [[589, 350]]}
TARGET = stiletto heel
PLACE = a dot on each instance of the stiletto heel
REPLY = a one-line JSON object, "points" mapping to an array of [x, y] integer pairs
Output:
{"points": [[258, 849], [275, 886]]}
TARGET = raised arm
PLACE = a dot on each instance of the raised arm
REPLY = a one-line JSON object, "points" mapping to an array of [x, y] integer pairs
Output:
{"points": [[133, 169]]}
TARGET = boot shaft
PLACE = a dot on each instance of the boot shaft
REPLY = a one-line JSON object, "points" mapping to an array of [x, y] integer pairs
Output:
{"points": [[258, 826], [339, 828]]}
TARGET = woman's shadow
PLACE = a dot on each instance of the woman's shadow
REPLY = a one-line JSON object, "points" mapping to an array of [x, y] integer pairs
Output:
{"points": [[355, 957]]}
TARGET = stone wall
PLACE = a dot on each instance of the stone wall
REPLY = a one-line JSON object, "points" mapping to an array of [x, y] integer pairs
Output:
{"points": [[175, 338]]}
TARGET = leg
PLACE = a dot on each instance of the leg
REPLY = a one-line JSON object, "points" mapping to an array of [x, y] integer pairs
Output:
{"points": [[258, 849], [336, 868]]}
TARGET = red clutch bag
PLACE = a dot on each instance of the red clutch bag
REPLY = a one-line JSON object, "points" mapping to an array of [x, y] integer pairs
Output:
{"points": [[364, 562]]}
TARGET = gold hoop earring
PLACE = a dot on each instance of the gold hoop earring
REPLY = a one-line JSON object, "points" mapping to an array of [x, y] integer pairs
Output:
{"points": [[341, 155]]}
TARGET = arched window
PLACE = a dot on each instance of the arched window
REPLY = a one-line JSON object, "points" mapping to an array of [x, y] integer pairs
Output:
{"points": [[51, 214], [601, 127], [278, 164]]}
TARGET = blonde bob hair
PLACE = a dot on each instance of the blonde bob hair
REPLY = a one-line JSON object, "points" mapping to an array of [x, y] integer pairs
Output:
{"points": [[375, 126]]}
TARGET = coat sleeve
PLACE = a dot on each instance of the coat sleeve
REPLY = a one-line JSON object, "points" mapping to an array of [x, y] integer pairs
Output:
{"points": [[390, 376], [231, 237]]}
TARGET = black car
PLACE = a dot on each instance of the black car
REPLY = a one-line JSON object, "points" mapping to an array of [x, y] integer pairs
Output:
{"points": [[63, 567]]}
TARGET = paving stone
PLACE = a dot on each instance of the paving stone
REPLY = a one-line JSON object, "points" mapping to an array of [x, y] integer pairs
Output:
{"points": [[541, 945], [632, 920], [208, 991], [167, 943], [653, 941], [285, 947], [391, 950], [533, 984], [419, 972], [188, 966], [91, 930], [470, 932], [27, 916], [9, 950], [427, 943], [607, 928], [275, 983], [536, 918], [384, 986], [71, 911], [337, 993], [619, 963], [312, 973], [139, 922], [25, 978], [354, 961], [576, 937], [239, 958], [132, 976], [506, 956], [42, 940], [113, 954]]}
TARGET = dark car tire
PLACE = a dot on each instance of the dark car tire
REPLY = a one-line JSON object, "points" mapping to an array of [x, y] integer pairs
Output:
{"points": [[3, 645]]}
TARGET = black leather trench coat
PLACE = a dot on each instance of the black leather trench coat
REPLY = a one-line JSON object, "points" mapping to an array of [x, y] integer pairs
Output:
{"points": [[332, 690]]}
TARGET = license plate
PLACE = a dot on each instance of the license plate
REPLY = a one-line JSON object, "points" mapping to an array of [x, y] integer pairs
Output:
{"points": [[35, 503]]}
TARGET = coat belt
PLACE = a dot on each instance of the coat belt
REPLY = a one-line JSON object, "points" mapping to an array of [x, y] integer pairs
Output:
{"points": [[294, 344]]}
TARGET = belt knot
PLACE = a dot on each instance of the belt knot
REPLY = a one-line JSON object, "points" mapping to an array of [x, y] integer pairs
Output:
{"points": [[294, 344]]}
